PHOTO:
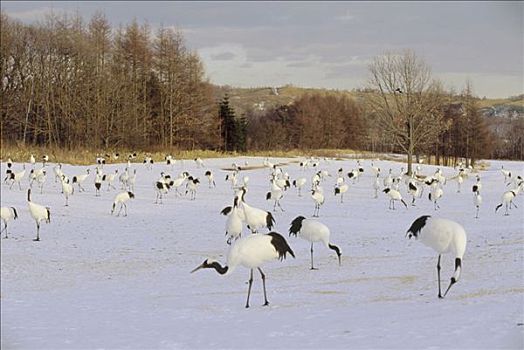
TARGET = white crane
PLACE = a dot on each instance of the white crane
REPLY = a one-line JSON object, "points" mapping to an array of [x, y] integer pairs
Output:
{"points": [[67, 189], [57, 169], [414, 190], [210, 179], [39, 213], [477, 200], [376, 184], [192, 186], [100, 160], [109, 178], [394, 195], [121, 199], [255, 218], [7, 214], [460, 179], [436, 193], [275, 194], [148, 161], [79, 180], [169, 160], [341, 189], [299, 183], [251, 252], [318, 198], [444, 236], [506, 173], [17, 178], [176, 183], [162, 188], [131, 181], [507, 199], [234, 223], [8, 171], [98, 182], [39, 176], [313, 231], [354, 174], [199, 162], [123, 178]]}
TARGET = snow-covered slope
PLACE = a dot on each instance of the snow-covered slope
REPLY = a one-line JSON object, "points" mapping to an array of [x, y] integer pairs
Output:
{"points": [[100, 281]]}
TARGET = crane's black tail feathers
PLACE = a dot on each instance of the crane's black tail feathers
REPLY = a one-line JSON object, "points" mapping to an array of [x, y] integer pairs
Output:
{"points": [[281, 246]]}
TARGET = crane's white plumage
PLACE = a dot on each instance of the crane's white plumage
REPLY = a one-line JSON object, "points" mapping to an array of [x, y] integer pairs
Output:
{"points": [[436, 193], [275, 194], [318, 198], [210, 179], [7, 214], [255, 218], [39, 213], [234, 223], [16, 177], [444, 236], [79, 180], [299, 183], [477, 198], [394, 195], [507, 200], [313, 231], [121, 199], [67, 189], [251, 252], [341, 189]]}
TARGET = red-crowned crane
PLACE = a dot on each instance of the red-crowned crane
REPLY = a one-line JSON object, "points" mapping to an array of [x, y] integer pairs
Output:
{"points": [[252, 252]]}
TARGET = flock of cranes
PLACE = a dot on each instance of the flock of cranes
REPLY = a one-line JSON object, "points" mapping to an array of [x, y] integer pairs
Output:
{"points": [[255, 248]]}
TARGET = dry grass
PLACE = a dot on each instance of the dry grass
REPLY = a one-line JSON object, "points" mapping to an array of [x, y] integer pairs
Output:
{"points": [[517, 101], [86, 156]]}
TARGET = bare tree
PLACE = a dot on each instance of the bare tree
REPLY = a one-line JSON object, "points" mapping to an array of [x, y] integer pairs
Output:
{"points": [[407, 102]]}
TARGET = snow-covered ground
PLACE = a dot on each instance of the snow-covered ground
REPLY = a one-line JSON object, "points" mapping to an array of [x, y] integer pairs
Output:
{"points": [[97, 281]]}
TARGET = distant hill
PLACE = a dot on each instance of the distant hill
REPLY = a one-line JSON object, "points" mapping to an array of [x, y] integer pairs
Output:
{"points": [[244, 99], [512, 107]]}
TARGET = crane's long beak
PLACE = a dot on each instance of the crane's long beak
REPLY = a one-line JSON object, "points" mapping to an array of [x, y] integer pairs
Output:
{"points": [[197, 268]]}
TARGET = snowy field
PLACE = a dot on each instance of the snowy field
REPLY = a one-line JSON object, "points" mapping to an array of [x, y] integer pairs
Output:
{"points": [[97, 281]]}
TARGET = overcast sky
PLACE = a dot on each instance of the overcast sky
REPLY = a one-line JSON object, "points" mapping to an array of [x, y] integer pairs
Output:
{"points": [[329, 44]]}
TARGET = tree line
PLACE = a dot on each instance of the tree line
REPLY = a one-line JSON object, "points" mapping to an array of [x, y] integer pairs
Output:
{"points": [[70, 83]]}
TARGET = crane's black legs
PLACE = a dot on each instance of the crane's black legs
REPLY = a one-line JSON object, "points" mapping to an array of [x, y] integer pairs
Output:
{"points": [[249, 288], [37, 232], [312, 268], [266, 303], [438, 277]]}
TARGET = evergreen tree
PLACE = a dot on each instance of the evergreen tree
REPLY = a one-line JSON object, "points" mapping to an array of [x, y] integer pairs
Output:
{"points": [[241, 133], [227, 124]]}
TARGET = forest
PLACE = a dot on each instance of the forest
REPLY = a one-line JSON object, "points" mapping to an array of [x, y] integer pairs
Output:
{"points": [[71, 83]]}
